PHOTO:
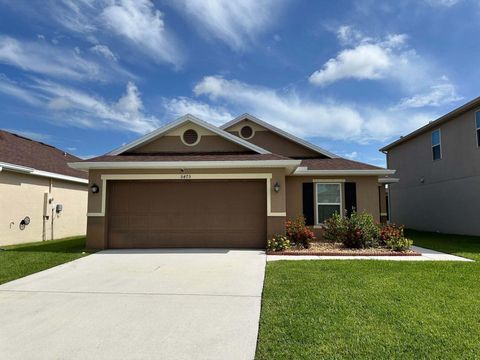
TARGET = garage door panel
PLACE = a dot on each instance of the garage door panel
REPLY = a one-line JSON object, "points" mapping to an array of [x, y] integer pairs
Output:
{"points": [[146, 214]]}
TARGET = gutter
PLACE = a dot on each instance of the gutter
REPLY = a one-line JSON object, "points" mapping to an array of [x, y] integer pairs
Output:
{"points": [[372, 172], [35, 172]]}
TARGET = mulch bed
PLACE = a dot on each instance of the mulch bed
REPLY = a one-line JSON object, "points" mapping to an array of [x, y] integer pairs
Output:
{"points": [[337, 249]]}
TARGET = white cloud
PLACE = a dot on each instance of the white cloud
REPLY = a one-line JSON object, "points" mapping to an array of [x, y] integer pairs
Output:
{"points": [[443, 3], [12, 89], [237, 23], [182, 105], [437, 95], [367, 60], [60, 62], [104, 51], [312, 119], [81, 109], [142, 24], [46, 59], [352, 155], [85, 110], [137, 22]]}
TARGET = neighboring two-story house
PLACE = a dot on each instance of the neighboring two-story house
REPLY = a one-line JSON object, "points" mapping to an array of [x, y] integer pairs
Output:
{"points": [[439, 170]]}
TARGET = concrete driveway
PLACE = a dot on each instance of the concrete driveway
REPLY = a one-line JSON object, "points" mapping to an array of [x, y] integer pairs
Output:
{"points": [[136, 304]]}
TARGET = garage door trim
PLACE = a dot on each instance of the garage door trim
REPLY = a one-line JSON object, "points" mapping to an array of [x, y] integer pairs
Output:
{"points": [[186, 177]]}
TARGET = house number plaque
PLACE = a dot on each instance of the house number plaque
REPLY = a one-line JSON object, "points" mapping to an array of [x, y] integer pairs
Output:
{"points": [[185, 176]]}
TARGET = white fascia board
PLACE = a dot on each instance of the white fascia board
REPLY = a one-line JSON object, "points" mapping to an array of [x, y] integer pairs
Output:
{"points": [[188, 118], [387, 180], [373, 172], [35, 172], [270, 127], [184, 164]]}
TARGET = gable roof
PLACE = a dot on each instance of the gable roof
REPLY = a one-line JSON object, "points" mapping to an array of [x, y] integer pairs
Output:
{"points": [[278, 132], [21, 154], [432, 124], [184, 119]]}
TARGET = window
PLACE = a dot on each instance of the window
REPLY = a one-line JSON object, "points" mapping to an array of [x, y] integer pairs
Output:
{"points": [[477, 123], [436, 145], [328, 201]]}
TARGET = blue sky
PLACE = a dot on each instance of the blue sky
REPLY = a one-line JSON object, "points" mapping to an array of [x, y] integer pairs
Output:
{"points": [[88, 76]]}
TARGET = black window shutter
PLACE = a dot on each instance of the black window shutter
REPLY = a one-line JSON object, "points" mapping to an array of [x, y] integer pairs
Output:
{"points": [[308, 210], [350, 197]]}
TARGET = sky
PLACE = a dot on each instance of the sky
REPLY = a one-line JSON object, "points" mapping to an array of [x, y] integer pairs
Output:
{"points": [[350, 76]]}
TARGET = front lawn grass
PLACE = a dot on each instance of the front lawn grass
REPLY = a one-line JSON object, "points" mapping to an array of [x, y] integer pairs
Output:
{"points": [[21, 260], [374, 309]]}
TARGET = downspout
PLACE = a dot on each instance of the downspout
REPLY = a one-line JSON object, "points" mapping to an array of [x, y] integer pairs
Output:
{"points": [[50, 192]]}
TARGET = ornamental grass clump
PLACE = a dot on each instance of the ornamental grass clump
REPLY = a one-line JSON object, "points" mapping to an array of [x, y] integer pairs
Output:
{"points": [[298, 233]]}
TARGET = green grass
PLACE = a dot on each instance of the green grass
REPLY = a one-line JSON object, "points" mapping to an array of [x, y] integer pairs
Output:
{"points": [[21, 260], [374, 309]]}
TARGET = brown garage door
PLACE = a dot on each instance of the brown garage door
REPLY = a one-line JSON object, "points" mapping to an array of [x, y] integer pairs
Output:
{"points": [[158, 214]]}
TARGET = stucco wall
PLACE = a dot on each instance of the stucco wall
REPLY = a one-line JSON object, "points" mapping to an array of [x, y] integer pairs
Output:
{"points": [[441, 195], [366, 187], [23, 195]]}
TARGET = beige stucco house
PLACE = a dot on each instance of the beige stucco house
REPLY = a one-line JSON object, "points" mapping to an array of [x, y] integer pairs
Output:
{"points": [[191, 184], [438, 167], [41, 197]]}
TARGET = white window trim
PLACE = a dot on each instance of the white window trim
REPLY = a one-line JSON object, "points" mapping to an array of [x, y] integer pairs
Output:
{"points": [[340, 185], [477, 127], [439, 143]]}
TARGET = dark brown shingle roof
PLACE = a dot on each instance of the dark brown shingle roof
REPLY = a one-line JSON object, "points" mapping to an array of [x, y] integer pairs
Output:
{"points": [[336, 164], [187, 157], [18, 150]]}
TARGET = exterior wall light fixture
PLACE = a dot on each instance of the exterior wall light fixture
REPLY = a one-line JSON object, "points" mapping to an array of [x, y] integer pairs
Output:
{"points": [[276, 187], [94, 188]]}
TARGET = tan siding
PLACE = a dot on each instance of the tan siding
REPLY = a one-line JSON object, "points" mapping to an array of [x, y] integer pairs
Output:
{"points": [[23, 195], [272, 142], [174, 144]]}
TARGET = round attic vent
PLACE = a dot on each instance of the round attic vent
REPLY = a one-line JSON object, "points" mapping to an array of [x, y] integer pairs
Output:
{"points": [[246, 132], [190, 137]]}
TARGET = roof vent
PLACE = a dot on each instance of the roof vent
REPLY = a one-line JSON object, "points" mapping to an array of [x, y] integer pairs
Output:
{"points": [[190, 137], [246, 132]]}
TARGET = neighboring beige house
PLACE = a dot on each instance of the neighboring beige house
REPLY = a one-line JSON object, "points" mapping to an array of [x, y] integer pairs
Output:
{"points": [[438, 167], [41, 197], [191, 184]]}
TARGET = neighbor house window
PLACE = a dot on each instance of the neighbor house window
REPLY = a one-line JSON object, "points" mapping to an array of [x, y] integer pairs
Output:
{"points": [[436, 145], [477, 123], [329, 201]]}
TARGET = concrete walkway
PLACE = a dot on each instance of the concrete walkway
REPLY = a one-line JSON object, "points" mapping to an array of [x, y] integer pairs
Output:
{"points": [[427, 255], [135, 304]]}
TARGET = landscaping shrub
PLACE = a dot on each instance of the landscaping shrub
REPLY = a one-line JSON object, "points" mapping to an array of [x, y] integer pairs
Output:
{"points": [[357, 231], [278, 243], [361, 231], [392, 237], [298, 233]]}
